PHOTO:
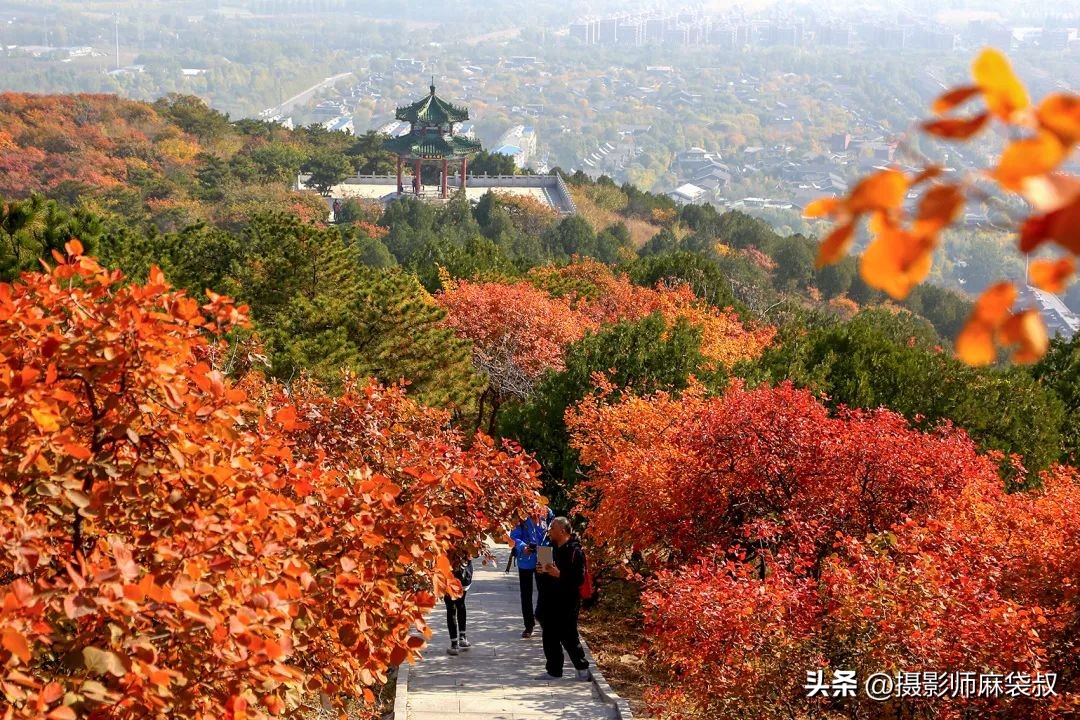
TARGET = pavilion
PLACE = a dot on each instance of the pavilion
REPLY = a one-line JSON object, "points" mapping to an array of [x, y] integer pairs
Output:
{"points": [[430, 139]]}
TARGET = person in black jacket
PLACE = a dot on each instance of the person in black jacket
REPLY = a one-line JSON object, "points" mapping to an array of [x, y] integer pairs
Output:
{"points": [[455, 611], [562, 601]]}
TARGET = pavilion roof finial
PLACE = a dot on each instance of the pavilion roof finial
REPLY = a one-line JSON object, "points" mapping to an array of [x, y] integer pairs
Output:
{"points": [[432, 86]]}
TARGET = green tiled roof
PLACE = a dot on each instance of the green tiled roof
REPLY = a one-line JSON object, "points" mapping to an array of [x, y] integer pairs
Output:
{"points": [[432, 110], [432, 145]]}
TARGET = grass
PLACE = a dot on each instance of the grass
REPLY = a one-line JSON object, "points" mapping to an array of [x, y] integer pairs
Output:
{"points": [[600, 218]]}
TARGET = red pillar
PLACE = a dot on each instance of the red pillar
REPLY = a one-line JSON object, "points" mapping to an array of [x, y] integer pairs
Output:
{"points": [[400, 188], [445, 177], [464, 171], [416, 178]]}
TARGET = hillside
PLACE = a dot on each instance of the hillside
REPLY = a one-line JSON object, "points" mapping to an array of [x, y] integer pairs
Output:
{"points": [[246, 448], [173, 163]]}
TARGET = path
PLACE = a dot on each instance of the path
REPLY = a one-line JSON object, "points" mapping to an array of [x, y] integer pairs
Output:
{"points": [[498, 678], [286, 107]]}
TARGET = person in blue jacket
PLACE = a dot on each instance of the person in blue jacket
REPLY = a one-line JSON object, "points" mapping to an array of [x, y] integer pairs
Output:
{"points": [[527, 536]]}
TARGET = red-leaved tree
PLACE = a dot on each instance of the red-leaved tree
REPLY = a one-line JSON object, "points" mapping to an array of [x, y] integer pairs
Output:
{"points": [[781, 539]]}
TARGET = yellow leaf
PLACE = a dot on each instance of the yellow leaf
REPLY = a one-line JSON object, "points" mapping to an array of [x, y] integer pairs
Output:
{"points": [[1027, 332], [1052, 275], [883, 190], [1060, 114], [1002, 90], [975, 344], [45, 420], [1028, 157], [836, 245]]}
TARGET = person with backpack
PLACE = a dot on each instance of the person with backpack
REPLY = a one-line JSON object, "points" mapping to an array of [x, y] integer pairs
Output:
{"points": [[566, 577], [455, 610], [530, 534]]}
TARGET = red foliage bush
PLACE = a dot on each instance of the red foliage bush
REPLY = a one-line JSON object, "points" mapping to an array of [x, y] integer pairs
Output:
{"points": [[785, 539]]}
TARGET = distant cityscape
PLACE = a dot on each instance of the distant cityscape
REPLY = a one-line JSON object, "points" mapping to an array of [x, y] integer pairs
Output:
{"points": [[733, 32]]}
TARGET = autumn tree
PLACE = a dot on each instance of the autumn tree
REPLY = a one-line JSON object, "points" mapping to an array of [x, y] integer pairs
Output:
{"points": [[517, 333], [174, 544], [809, 539]]}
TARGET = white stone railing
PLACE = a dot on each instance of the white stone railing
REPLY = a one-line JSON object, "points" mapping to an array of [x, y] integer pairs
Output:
{"points": [[552, 182]]}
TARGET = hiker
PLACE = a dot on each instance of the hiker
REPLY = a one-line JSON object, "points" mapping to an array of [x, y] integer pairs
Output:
{"points": [[562, 601], [527, 536], [455, 610]]}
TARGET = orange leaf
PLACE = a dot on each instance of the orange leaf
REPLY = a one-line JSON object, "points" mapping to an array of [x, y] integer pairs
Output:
{"points": [[1052, 275], [821, 207], [956, 128], [79, 452], [975, 343], [1031, 156], [160, 678], [273, 649], [52, 692], [1027, 331], [938, 207], [286, 417], [896, 262], [275, 704], [836, 245], [63, 712], [14, 642], [1060, 114], [883, 190], [1002, 90], [992, 307], [73, 247], [954, 97]]}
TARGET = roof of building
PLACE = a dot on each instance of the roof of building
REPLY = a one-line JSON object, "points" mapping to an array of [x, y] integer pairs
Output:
{"points": [[687, 191], [432, 110], [432, 145], [506, 150]]}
